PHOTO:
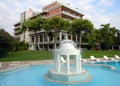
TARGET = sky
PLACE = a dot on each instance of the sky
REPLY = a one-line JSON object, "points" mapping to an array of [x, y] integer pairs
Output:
{"points": [[97, 11]]}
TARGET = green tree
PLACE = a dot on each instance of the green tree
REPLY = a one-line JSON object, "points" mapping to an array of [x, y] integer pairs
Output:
{"points": [[80, 25], [117, 38], [95, 39], [54, 26], [107, 36], [6, 42], [33, 25]]}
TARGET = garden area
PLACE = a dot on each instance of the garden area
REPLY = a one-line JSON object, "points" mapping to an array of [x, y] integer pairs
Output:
{"points": [[27, 55], [99, 41]]}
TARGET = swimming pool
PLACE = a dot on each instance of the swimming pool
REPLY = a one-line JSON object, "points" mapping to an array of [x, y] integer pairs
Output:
{"points": [[34, 76], [116, 64]]}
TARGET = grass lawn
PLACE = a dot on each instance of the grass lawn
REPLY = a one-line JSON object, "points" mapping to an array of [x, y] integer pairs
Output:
{"points": [[100, 53], [28, 55], [46, 55]]}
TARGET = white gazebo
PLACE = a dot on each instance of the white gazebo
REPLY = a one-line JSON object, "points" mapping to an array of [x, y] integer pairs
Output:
{"points": [[67, 62], [66, 51]]}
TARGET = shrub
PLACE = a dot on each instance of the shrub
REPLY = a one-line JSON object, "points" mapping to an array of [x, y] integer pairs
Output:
{"points": [[20, 46]]}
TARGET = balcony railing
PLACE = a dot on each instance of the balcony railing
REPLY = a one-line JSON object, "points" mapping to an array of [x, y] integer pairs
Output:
{"points": [[44, 16], [72, 15], [17, 27], [48, 42]]}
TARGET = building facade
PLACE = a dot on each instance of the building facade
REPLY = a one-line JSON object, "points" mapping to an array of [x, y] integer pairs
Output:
{"points": [[44, 41]]}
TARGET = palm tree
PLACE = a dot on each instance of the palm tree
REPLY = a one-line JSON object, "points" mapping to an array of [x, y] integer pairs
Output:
{"points": [[80, 25]]}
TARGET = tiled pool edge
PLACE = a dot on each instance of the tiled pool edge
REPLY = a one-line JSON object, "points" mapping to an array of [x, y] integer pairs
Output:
{"points": [[102, 65], [14, 68], [24, 64]]}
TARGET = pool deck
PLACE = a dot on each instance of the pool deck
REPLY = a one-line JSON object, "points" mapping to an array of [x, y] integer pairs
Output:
{"points": [[12, 64], [5, 65]]}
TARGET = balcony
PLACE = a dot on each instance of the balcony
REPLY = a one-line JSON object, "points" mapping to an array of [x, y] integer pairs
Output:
{"points": [[44, 16], [17, 27], [71, 8], [17, 31], [17, 36], [69, 14]]}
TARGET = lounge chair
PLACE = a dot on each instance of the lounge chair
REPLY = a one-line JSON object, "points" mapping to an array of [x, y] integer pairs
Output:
{"points": [[93, 58], [63, 60], [83, 60], [117, 57], [105, 57]]}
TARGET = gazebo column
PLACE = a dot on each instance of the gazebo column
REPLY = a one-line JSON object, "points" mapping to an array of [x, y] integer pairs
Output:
{"points": [[79, 62], [76, 62], [68, 64], [55, 62], [59, 63]]}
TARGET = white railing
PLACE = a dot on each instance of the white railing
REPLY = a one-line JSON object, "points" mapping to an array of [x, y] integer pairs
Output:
{"points": [[44, 16], [17, 27], [67, 13]]}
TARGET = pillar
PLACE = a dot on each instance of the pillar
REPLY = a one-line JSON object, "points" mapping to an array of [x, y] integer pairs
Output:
{"points": [[48, 47], [59, 63], [48, 39], [43, 38], [68, 65], [38, 43], [34, 39], [60, 36], [55, 62], [76, 63], [53, 39], [112, 47], [66, 36], [79, 62], [76, 38], [71, 37], [43, 47]]}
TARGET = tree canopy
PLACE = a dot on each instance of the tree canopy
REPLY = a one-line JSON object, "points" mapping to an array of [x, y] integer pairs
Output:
{"points": [[107, 36], [104, 36], [80, 25], [6, 42], [33, 25], [55, 25]]}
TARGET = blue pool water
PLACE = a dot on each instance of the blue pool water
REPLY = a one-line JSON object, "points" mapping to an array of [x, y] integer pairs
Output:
{"points": [[116, 64], [34, 76]]}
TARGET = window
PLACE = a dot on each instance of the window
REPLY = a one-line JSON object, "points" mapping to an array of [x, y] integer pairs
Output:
{"points": [[32, 39]]}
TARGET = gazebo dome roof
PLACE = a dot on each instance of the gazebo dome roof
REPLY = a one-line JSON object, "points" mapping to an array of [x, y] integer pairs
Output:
{"points": [[67, 45]]}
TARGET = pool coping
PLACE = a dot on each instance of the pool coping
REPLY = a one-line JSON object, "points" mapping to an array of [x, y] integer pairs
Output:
{"points": [[7, 66]]}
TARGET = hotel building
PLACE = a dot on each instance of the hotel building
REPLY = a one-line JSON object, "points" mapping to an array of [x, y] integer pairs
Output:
{"points": [[44, 41]]}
